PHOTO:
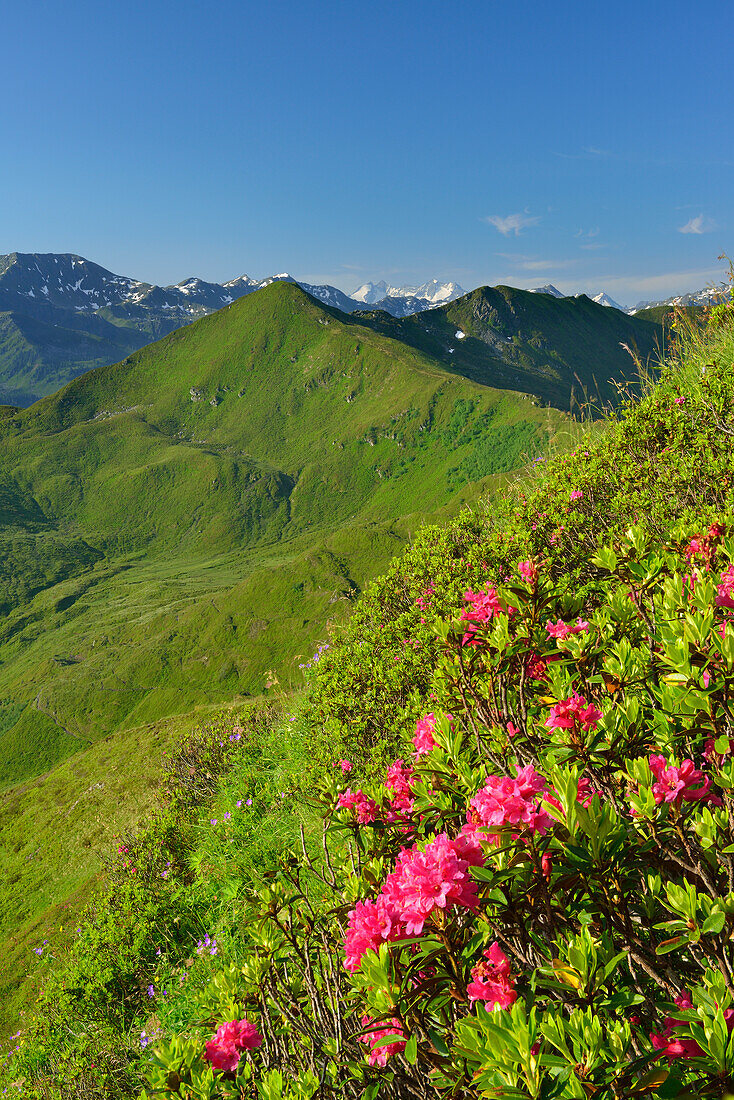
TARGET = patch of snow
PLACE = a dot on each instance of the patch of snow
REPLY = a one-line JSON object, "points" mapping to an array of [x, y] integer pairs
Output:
{"points": [[460, 335]]}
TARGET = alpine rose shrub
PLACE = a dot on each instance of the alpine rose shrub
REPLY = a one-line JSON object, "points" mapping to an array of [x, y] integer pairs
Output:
{"points": [[563, 863], [543, 908]]}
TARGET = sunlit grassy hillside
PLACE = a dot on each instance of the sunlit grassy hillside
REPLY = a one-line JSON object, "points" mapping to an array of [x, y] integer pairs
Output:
{"points": [[665, 462]]}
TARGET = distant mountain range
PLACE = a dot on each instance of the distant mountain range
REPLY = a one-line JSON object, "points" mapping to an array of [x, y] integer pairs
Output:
{"points": [[62, 315], [706, 297], [601, 299], [709, 296], [401, 301]]}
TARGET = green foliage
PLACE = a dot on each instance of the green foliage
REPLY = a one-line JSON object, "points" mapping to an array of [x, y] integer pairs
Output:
{"points": [[666, 459], [179, 525], [581, 994], [603, 882], [83, 1038]]}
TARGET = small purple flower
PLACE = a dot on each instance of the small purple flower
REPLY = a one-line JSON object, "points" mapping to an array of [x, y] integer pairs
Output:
{"points": [[214, 821], [238, 803], [249, 802], [151, 990], [227, 816]]}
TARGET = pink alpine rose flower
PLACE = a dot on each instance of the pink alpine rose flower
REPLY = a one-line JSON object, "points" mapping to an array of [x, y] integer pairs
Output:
{"points": [[577, 494], [725, 589], [492, 980], [528, 570], [365, 809], [483, 606], [423, 738], [679, 784], [370, 924], [436, 878], [504, 801], [561, 630], [571, 713], [379, 1055], [673, 1048], [230, 1041]]}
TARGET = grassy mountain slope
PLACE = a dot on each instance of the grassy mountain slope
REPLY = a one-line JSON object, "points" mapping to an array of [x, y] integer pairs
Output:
{"points": [[570, 352], [666, 461], [186, 521], [36, 358], [178, 528], [61, 315]]}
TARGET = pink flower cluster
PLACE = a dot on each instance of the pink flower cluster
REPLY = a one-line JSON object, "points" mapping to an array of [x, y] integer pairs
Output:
{"points": [[673, 1048], [423, 738], [344, 765], [561, 630], [577, 494], [702, 546], [680, 784], [504, 801], [725, 589], [379, 1056], [492, 981], [423, 881], [425, 598], [528, 570], [571, 713], [365, 809], [230, 1040], [483, 606], [399, 781]]}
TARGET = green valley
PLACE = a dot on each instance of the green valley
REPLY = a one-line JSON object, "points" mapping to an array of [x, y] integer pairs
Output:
{"points": [[179, 525], [178, 532]]}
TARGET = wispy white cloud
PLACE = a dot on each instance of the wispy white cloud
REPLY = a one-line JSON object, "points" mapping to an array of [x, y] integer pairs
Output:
{"points": [[699, 224], [512, 223], [534, 263], [588, 152]]}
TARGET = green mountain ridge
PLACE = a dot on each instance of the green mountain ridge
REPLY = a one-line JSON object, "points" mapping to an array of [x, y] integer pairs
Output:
{"points": [[570, 352], [231, 813], [179, 524], [61, 316]]}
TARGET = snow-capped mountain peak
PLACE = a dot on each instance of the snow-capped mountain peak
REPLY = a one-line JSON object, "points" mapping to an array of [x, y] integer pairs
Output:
{"points": [[603, 299], [547, 289], [433, 292]]}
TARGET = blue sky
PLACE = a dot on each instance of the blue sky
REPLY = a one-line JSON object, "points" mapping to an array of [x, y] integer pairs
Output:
{"points": [[585, 144]]}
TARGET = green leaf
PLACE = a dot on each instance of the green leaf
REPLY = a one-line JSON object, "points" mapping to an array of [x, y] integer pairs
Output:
{"points": [[714, 923], [667, 946]]}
